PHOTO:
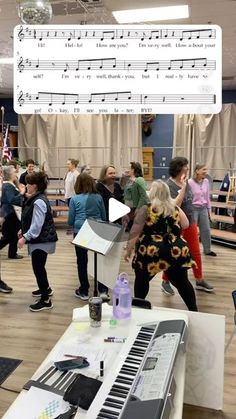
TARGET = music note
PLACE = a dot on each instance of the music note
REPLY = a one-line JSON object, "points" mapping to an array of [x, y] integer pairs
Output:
{"points": [[72, 35], [66, 68], [157, 36], [154, 64], [143, 37], [108, 34]]}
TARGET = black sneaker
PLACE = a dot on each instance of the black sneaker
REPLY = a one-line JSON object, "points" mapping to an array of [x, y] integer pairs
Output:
{"points": [[16, 257], [5, 288], [81, 295], [37, 293], [41, 305], [211, 253]]}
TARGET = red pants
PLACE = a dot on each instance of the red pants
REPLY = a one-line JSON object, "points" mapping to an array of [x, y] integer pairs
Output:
{"points": [[190, 234]]}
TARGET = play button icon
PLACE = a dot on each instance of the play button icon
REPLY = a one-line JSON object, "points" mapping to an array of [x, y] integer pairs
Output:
{"points": [[116, 210]]}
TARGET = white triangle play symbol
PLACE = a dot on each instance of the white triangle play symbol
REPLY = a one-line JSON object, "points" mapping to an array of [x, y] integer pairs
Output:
{"points": [[116, 210]]}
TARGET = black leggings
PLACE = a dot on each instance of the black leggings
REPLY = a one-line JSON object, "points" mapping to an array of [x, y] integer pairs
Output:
{"points": [[39, 259], [177, 276], [10, 228]]}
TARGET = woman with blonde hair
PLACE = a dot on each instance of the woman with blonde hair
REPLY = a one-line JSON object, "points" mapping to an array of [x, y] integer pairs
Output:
{"points": [[159, 246]]}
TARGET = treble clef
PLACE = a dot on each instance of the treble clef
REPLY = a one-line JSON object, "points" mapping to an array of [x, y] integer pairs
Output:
{"points": [[20, 99], [21, 33], [21, 65]]}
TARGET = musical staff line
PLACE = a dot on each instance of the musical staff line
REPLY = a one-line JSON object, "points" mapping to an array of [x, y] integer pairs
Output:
{"points": [[26, 33], [97, 64], [125, 97]]}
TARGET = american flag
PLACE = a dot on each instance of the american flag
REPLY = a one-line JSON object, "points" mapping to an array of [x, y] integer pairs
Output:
{"points": [[6, 152]]}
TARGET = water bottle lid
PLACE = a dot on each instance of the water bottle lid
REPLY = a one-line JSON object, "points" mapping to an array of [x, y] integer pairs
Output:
{"points": [[123, 275], [123, 278]]}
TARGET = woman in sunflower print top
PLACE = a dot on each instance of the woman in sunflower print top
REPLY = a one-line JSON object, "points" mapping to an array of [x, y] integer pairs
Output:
{"points": [[159, 246]]}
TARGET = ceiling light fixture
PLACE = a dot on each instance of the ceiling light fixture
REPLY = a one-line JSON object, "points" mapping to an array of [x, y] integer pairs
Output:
{"points": [[151, 14], [34, 12]]}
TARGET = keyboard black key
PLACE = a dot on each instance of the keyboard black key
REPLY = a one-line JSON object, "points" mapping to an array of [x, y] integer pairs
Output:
{"points": [[132, 360], [109, 412], [103, 415], [124, 380], [130, 367], [117, 394], [109, 399], [112, 404], [139, 343], [120, 389], [127, 372]]}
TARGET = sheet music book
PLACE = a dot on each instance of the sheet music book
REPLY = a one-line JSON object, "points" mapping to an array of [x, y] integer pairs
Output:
{"points": [[98, 236]]}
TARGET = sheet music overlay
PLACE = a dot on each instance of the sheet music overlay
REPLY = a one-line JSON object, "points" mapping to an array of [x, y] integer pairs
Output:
{"points": [[125, 69]]}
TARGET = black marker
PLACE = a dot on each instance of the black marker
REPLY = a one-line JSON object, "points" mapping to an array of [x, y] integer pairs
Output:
{"points": [[101, 368]]}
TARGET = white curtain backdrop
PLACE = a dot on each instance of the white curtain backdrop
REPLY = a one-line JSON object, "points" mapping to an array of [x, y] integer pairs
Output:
{"points": [[92, 139], [208, 139]]}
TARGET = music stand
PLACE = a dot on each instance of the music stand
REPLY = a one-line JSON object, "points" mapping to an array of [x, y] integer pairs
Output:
{"points": [[234, 329], [99, 237]]}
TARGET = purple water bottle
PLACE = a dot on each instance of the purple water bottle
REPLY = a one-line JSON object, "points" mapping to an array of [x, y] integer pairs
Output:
{"points": [[122, 297]]}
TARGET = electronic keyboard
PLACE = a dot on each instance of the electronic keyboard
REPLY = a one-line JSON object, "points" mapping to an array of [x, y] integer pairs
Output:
{"points": [[141, 383]]}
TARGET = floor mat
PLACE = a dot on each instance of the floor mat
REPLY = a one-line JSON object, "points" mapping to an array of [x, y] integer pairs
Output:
{"points": [[7, 366]]}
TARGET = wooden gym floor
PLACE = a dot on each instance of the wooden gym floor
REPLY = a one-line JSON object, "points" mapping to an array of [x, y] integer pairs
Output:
{"points": [[30, 336]]}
